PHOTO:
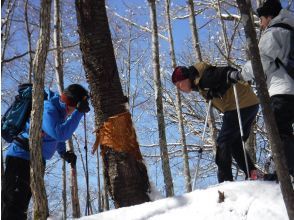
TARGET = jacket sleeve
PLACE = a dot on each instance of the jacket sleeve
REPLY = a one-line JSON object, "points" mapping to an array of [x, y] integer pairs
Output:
{"points": [[55, 126], [215, 78], [61, 148], [270, 48]]}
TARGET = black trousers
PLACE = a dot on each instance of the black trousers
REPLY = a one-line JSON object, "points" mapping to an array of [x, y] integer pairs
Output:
{"points": [[16, 191], [283, 108], [229, 143]]}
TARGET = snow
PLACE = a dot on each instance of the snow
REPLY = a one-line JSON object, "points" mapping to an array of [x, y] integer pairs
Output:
{"points": [[250, 200]]}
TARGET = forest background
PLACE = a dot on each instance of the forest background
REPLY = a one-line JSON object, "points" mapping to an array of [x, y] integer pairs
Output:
{"points": [[221, 42]]}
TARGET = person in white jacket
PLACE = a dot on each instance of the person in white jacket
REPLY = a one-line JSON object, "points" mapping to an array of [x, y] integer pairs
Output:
{"points": [[275, 44]]}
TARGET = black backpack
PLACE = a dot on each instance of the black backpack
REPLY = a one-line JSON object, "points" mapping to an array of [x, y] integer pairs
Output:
{"points": [[289, 65], [16, 116]]}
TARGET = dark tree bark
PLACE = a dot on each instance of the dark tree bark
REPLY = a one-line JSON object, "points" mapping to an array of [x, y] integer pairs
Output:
{"points": [[35, 140], [126, 176], [274, 138]]}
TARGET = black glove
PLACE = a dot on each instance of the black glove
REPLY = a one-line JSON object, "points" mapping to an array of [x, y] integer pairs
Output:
{"points": [[70, 157], [234, 76], [83, 106], [212, 93]]}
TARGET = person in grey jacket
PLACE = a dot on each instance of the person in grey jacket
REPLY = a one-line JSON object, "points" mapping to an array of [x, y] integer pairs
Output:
{"points": [[275, 44]]}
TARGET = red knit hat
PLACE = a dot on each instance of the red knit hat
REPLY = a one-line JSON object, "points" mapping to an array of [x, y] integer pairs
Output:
{"points": [[67, 100], [180, 73]]}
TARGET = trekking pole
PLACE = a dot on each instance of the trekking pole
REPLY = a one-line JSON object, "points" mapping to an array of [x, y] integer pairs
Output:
{"points": [[241, 128], [202, 141], [87, 211]]}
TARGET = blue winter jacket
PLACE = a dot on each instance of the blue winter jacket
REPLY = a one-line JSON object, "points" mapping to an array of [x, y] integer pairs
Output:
{"points": [[56, 127]]}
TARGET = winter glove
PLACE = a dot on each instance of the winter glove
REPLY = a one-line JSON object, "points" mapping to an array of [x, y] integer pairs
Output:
{"points": [[212, 93], [70, 157], [234, 76], [83, 106]]}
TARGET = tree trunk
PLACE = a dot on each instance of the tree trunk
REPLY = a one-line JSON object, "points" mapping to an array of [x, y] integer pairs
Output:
{"points": [[35, 140], [105, 199], [274, 138], [169, 189], [75, 203], [29, 35], [250, 144], [98, 183], [5, 26], [59, 76], [64, 199], [196, 46], [224, 31], [57, 36], [60, 83], [187, 174], [193, 26], [125, 173]]}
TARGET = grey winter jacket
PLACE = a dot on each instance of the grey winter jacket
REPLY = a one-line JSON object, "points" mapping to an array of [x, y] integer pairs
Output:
{"points": [[274, 42]]}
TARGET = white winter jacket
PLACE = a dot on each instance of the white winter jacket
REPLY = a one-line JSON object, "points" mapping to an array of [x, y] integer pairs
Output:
{"points": [[274, 42]]}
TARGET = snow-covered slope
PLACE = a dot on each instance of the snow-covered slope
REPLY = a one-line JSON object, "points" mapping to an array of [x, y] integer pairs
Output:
{"points": [[250, 200]]}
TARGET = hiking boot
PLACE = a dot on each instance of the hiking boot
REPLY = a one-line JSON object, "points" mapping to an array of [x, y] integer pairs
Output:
{"points": [[270, 177]]}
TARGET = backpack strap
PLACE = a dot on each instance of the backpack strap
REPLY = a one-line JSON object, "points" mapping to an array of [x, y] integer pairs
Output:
{"points": [[282, 25], [278, 62]]}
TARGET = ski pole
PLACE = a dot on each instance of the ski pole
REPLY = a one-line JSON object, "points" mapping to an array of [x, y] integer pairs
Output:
{"points": [[202, 141], [87, 211], [241, 127]]}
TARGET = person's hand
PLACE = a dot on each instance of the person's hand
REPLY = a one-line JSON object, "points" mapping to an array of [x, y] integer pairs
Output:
{"points": [[70, 157], [212, 93], [83, 106], [234, 76]]}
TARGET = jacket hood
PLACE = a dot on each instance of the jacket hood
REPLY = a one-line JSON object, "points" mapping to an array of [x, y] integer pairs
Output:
{"points": [[284, 17]]}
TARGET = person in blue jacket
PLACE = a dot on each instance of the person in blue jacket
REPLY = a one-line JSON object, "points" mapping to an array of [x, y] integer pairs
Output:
{"points": [[61, 118]]}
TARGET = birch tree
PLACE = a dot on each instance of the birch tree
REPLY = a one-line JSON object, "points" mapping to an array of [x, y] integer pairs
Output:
{"points": [[35, 140], [169, 189], [187, 174], [60, 83]]}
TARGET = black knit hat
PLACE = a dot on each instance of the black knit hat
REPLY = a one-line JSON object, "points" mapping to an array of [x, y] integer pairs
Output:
{"points": [[269, 8], [74, 93]]}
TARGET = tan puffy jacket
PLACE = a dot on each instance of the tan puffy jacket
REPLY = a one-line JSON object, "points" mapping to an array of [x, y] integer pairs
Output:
{"points": [[227, 103]]}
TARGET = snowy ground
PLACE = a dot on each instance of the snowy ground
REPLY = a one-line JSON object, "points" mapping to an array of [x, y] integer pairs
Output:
{"points": [[250, 200]]}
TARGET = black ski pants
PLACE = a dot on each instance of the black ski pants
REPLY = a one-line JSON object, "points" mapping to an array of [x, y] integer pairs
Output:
{"points": [[16, 191], [229, 143], [283, 108]]}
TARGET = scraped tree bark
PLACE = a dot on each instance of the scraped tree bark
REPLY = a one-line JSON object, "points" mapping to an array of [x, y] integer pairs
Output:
{"points": [[126, 176], [76, 213], [35, 140], [187, 174], [169, 188], [274, 138]]}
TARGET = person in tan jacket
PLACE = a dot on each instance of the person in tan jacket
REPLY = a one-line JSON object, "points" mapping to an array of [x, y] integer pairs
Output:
{"points": [[213, 83]]}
